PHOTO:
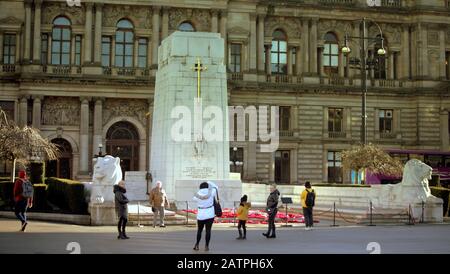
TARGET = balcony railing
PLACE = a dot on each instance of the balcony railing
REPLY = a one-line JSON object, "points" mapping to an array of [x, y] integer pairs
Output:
{"points": [[391, 3], [236, 76], [9, 68], [61, 69], [278, 78], [336, 135], [126, 71], [337, 2], [387, 135], [286, 133]]}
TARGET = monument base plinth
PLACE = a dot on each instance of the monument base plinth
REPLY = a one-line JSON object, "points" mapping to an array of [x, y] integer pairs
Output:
{"points": [[103, 214], [230, 192]]}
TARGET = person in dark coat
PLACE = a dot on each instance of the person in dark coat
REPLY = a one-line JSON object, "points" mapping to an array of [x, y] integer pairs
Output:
{"points": [[121, 202], [272, 210]]}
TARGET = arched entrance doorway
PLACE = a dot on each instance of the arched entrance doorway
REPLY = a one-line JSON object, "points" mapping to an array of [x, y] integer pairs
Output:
{"points": [[122, 140], [61, 168]]}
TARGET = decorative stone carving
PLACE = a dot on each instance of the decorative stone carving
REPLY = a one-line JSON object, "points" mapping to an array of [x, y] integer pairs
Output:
{"points": [[10, 20], [60, 111], [338, 27], [292, 26], [433, 38], [130, 108], [107, 173], [140, 16], [51, 10], [393, 33], [433, 57], [201, 19]]}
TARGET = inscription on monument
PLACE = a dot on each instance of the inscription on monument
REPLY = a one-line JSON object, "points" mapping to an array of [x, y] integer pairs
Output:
{"points": [[199, 172]]}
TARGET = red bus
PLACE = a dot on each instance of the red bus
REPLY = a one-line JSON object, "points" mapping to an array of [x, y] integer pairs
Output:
{"points": [[439, 161]]}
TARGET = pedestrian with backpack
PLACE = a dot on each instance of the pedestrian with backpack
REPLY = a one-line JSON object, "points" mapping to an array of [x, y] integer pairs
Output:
{"points": [[23, 198], [308, 198]]}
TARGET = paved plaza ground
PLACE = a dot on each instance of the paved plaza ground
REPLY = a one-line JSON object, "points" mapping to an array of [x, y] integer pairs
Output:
{"points": [[44, 238]]}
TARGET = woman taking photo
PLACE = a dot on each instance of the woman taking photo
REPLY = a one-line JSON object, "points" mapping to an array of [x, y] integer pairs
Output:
{"points": [[206, 213]]}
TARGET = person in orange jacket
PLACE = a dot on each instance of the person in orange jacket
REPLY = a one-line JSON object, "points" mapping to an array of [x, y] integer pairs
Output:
{"points": [[242, 216]]}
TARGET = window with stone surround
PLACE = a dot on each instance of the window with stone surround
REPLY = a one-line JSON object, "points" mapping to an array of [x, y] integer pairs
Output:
{"points": [[235, 57], [285, 118], [142, 52], [78, 50], [278, 54], [282, 166], [44, 48], [385, 117], [9, 49], [124, 44], [334, 167], [61, 35], [335, 119], [380, 60], [331, 54], [106, 51]]}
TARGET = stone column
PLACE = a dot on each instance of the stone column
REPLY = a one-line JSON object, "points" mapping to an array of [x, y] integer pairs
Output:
{"points": [[298, 60], [268, 61], [155, 36], [253, 46], [341, 67], [37, 103], [223, 33], [23, 111], [18, 48], [261, 43], [84, 136], [26, 52], [444, 130], [405, 53], [98, 34], [313, 46], [49, 49], [354, 45], [98, 125], [37, 32], [88, 36], [214, 20], [305, 46], [423, 51], [113, 51], [442, 66], [1, 47], [165, 22], [321, 71], [391, 65], [289, 60], [72, 50], [136, 51]]}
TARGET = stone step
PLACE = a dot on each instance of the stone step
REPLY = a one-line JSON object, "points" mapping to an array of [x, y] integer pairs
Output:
{"points": [[147, 219]]}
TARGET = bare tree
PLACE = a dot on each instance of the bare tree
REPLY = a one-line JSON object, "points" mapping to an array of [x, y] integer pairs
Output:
{"points": [[371, 158], [21, 144]]}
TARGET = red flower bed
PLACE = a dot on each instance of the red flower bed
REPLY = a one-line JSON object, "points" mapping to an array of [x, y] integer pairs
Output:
{"points": [[256, 217]]}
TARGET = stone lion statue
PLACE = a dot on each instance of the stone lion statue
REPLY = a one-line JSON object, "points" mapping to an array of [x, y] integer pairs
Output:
{"points": [[107, 173], [414, 187]]}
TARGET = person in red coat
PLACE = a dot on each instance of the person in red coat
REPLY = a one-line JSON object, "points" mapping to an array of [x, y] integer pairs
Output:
{"points": [[21, 202]]}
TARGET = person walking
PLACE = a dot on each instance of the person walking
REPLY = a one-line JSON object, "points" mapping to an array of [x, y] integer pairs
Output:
{"points": [[308, 198], [205, 198], [121, 202], [242, 216], [272, 210], [23, 198], [158, 200]]}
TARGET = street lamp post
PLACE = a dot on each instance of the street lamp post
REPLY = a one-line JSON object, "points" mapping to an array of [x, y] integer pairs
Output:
{"points": [[235, 162], [363, 63]]}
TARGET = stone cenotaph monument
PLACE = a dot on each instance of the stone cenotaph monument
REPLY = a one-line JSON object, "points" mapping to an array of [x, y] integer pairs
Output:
{"points": [[190, 142]]}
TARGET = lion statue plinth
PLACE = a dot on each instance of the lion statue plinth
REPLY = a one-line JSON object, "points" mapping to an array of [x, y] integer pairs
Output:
{"points": [[107, 173]]}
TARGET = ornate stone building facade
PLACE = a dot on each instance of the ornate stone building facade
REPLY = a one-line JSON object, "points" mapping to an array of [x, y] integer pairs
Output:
{"points": [[85, 76]]}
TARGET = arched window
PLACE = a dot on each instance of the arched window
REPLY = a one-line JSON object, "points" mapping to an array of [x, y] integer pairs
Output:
{"points": [[61, 36], [380, 60], [278, 54], [122, 140], [331, 53], [62, 167], [124, 44], [186, 26]]}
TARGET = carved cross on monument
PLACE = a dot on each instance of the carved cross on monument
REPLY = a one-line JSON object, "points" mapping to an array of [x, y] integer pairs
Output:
{"points": [[198, 67]]}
